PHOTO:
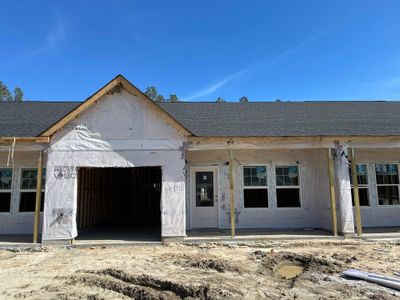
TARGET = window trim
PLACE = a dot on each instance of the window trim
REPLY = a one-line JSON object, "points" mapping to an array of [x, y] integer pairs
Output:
{"points": [[363, 186], [258, 187], [378, 185], [20, 191], [8, 190], [299, 186]]}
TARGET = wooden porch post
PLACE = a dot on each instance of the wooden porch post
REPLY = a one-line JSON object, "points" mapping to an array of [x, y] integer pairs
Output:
{"points": [[332, 193], [355, 192], [38, 197], [231, 194]]}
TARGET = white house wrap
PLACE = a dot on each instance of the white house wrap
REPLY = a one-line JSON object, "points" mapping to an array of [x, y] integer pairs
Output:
{"points": [[173, 159], [118, 131]]}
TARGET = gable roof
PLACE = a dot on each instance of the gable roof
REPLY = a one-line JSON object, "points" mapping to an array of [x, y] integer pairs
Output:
{"points": [[279, 119], [29, 119], [115, 84], [210, 119]]}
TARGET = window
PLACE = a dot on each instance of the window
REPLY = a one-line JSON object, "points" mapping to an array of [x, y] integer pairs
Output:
{"points": [[255, 189], [387, 182], [362, 180], [287, 186], [27, 200], [5, 189], [204, 189]]}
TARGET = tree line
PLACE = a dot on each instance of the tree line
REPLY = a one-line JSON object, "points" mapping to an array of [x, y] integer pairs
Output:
{"points": [[153, 94], [5, 94]]}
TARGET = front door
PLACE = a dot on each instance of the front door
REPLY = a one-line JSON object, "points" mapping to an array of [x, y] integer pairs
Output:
{"points": [[204, 197]]}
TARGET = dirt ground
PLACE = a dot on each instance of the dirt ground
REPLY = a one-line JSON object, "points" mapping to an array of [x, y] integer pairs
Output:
{"points": [[246, 270]]}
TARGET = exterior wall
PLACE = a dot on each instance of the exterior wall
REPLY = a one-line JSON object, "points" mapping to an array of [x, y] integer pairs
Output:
{"points": [[377, 215], [315, 205], [15, 222], [120, 130]]}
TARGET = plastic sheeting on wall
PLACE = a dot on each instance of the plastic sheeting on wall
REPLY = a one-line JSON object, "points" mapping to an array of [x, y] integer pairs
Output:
{"points": [[119, 131], [343, 188]]}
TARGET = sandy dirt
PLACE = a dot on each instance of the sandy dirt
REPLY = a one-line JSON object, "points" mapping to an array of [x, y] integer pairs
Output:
{"points": [[247, 270]]}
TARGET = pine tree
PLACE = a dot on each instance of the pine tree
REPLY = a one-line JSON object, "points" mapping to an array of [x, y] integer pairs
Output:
{"points": [[5, 94], [173, 98], [151, 92], [18, 94]]}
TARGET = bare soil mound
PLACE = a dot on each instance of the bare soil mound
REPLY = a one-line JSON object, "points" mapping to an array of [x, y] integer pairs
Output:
{"points": [[144, 287]]}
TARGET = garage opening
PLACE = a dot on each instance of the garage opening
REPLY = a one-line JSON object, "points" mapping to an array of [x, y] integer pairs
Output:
{"points": [[119, 204]]}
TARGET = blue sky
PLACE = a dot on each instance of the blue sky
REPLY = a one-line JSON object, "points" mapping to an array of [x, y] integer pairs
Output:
{"points": [[201, 50]]}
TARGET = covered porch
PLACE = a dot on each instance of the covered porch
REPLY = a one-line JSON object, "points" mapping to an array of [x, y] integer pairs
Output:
{"points": [[301, 184]]}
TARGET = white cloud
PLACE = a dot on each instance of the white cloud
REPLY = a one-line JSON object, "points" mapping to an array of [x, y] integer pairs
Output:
{"points": [[53, 39], [216, 86], [50, 44]]}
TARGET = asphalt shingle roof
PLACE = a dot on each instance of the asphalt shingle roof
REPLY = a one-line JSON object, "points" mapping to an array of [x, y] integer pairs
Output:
{"points": [[29, 118], [288, 118], [233, 119]]}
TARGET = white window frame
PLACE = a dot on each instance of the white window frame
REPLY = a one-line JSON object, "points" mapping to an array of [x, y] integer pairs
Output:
{"points": [[21, 190], [8, 190], [278, 165], [378, 185], [363, 186], [256, 187]]}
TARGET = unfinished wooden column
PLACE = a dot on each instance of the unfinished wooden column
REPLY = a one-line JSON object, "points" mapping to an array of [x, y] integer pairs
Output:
{"points": [[332, 193], [356, 196], [38, 197], [231, 194]]}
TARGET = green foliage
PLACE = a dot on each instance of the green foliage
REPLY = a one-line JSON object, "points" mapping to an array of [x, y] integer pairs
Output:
{"points": [[244, 99], [173, 98], [220, 100], [5, 94], [151, 92], [18, 94]]}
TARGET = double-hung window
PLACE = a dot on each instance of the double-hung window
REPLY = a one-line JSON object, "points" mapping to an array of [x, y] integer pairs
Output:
{"points": [[255, 187], [27, 200], [387, 183], [5, 189], [362, 180], [287, 186]]}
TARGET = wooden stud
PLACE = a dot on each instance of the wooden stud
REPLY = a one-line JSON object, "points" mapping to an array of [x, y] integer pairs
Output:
{"points": [[355, 191], [10, 140], [86, 198], [332, 194], [38, 197], [231, 194]]}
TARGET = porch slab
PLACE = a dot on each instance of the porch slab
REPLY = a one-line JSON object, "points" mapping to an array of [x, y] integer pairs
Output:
{"points": [[382, 234], [17, 241], [258, 234]]}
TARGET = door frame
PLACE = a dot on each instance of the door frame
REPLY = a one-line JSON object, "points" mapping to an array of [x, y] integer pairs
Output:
{"points": [[192, 188]]}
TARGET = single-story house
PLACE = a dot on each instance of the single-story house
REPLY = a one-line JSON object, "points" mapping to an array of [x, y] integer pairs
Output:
{"points": [[120, 159]]}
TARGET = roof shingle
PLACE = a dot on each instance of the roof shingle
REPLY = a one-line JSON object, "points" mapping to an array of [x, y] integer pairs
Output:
{"points": [[252, 119], [29, 118]]}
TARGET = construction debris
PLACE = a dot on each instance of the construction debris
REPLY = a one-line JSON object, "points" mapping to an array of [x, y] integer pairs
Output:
{"points": [[373, 277]]}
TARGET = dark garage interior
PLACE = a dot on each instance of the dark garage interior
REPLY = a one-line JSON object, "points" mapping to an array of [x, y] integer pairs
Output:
{"points": [[119, 204]]}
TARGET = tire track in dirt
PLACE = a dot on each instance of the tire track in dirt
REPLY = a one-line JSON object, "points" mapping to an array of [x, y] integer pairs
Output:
{"points": [[144, 287]]}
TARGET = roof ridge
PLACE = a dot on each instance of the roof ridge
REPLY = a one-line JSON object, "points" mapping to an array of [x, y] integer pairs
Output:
{"points": [[286, 101], [39, 101]]}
